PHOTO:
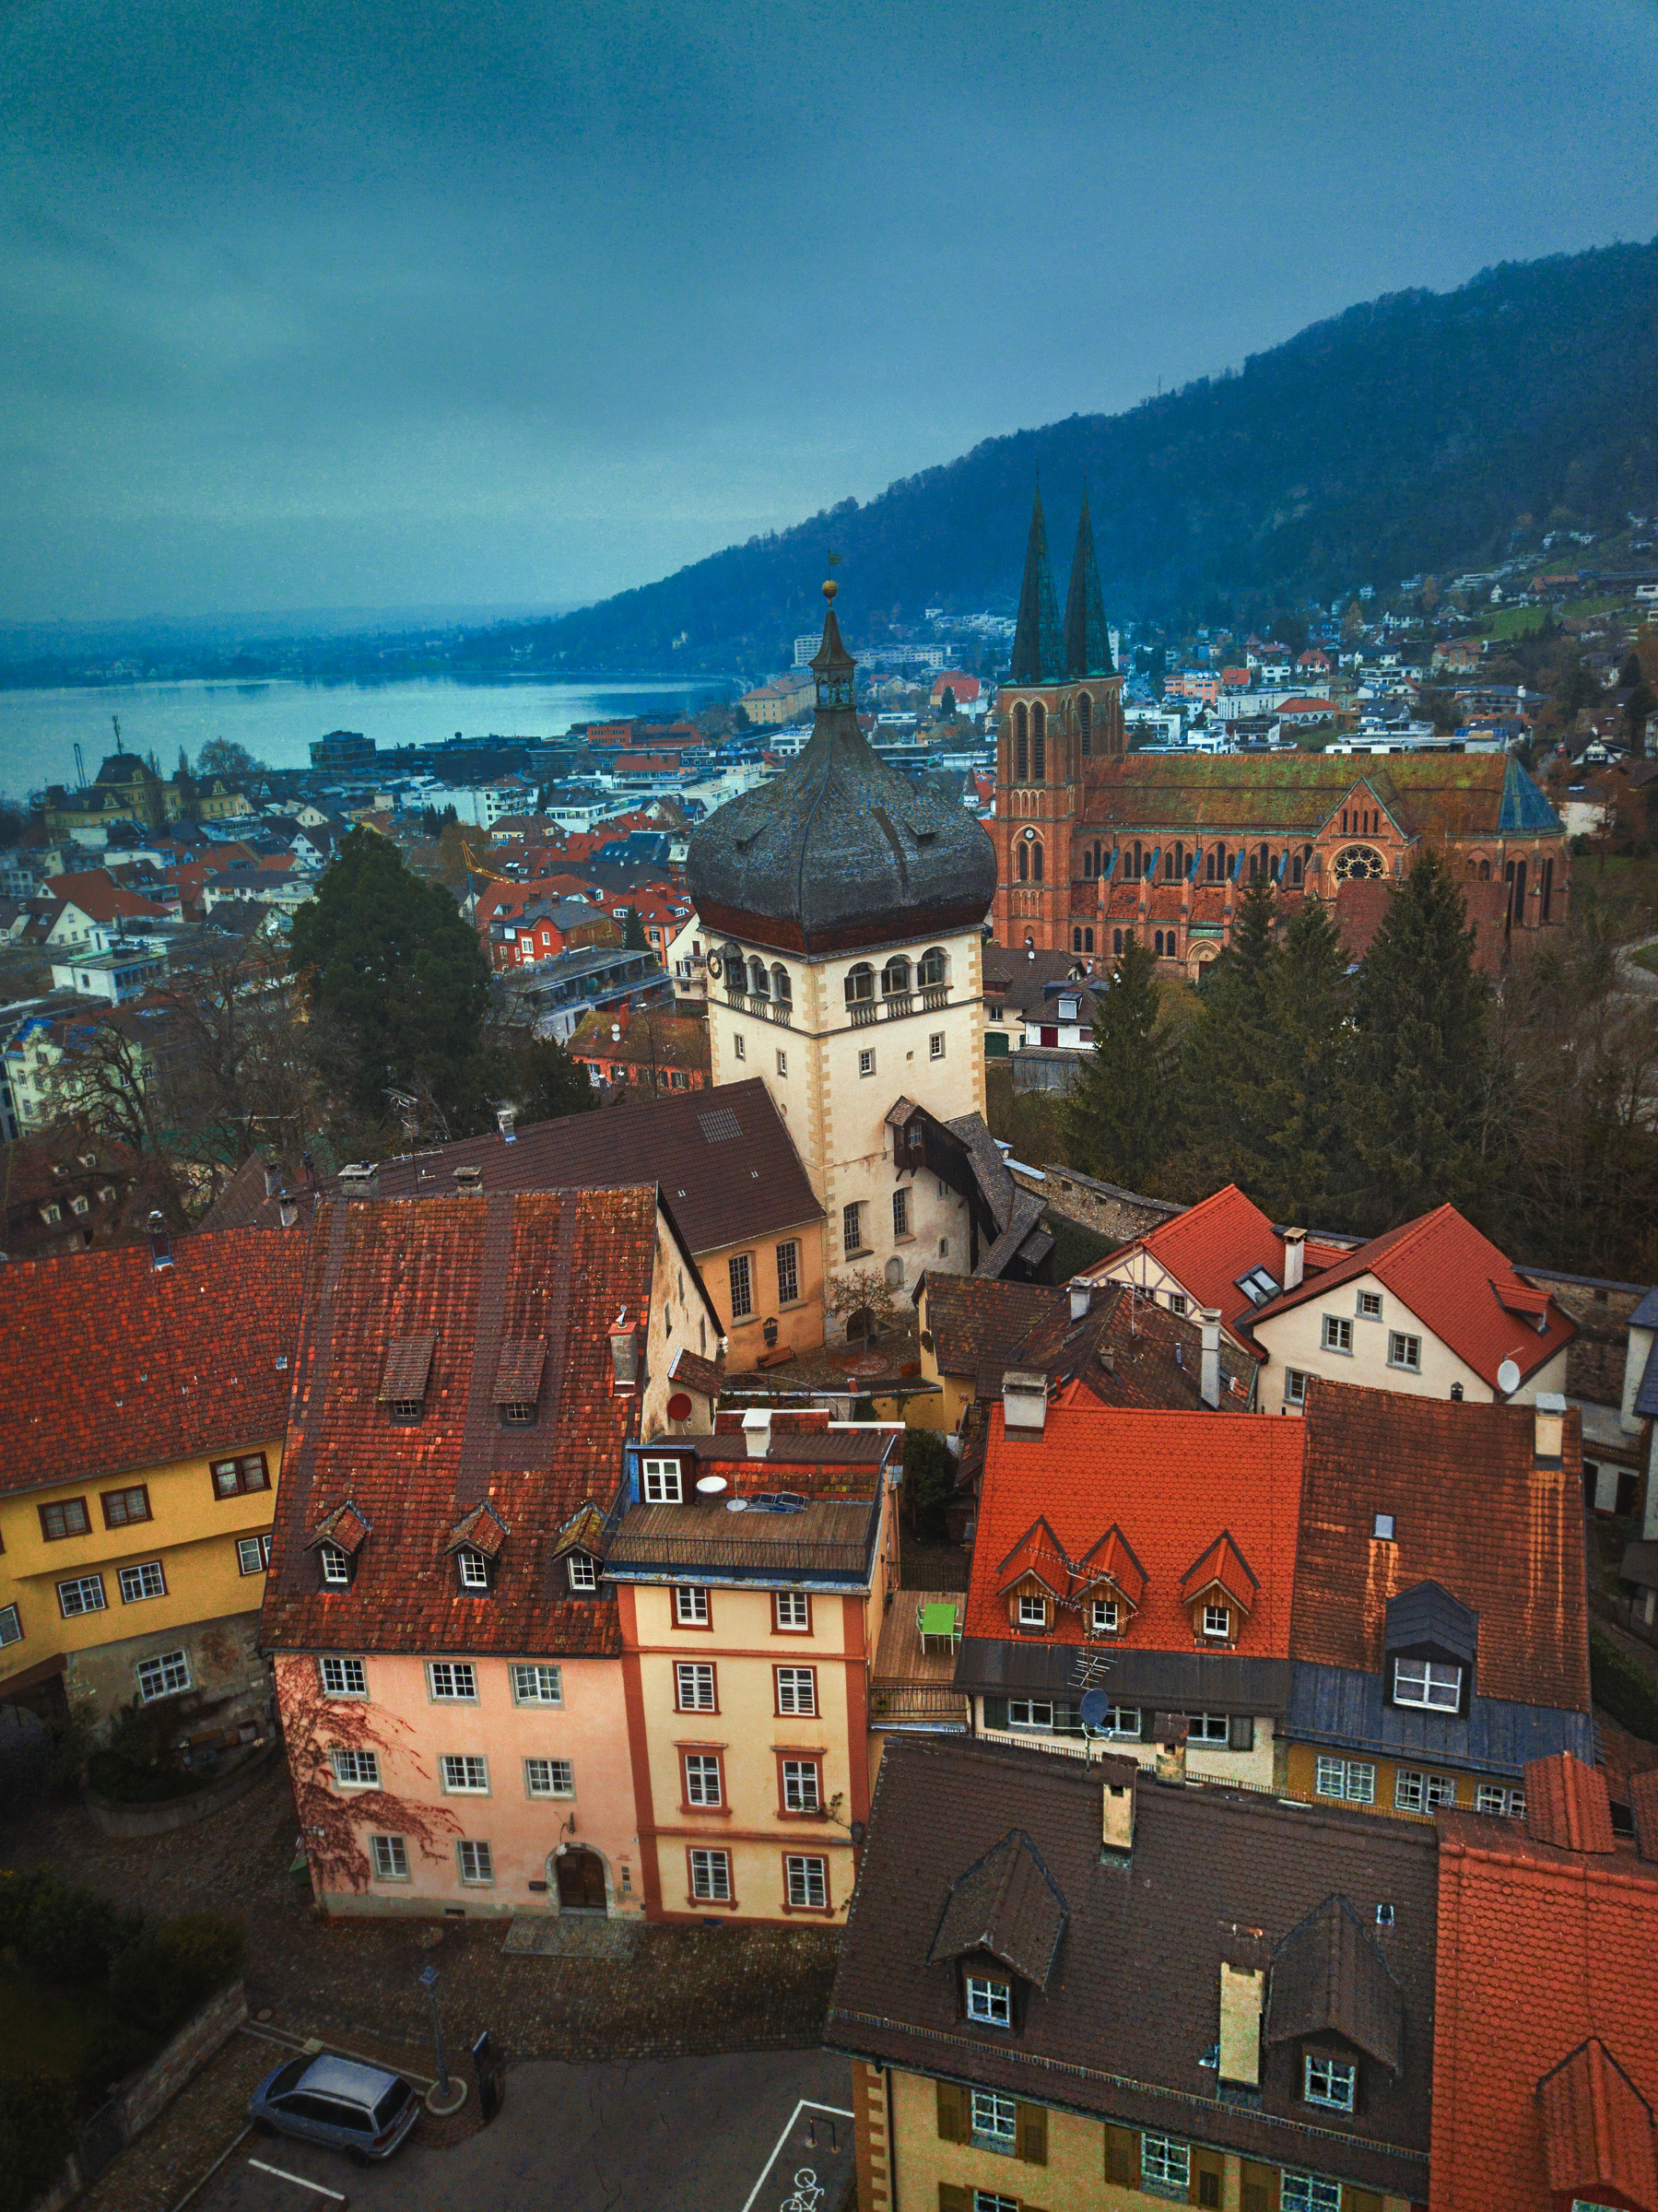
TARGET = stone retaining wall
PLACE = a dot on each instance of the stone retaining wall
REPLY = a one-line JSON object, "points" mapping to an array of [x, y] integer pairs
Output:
{"points": [[128, 1821], [1104, 1207]]}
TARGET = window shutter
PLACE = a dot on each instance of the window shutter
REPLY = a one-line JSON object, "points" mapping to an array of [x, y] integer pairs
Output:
{"points": [[1123, 2157], [1261, 2190], [1148, 1725], [1205, 2181], [952, 2197], [1240, 1732], [995, 1713], [952, 2113], [1032, 2121]]}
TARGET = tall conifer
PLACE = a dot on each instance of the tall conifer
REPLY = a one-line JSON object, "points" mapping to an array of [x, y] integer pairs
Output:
{"points": [[1117, 1122]]}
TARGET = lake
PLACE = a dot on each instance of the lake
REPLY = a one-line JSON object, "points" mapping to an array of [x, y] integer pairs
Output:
{"points": [[279, 722]]}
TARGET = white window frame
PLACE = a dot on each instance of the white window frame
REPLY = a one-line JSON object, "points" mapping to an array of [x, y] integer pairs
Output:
{"points": [[792, 1601], [452, 1681], [355, 1769], [1450, 1678], [852, 1226], [739, 1271], [171, 1670], [1332, 2083], [475, 1569], [1336, 1336], [801, 1684], [1369, 1305], [335, 1567], [78, 1594], [935, 1045], [788, 1271], [535, 1683], [690, 1605], [474, 1861], [584, 1573], [1404, 1351], [866, 1063], [987, 2200], [703, 1775], [1296, 1379], [342, 1677], [802, 1785], [1163, 2159], [1345, 1781], [1177, 1304], [1033, 1610], [391, 1858], [1218, 1621], [463, 1774], [1302, 2192], [141, 1576], [993, 2118], [805, 1877], [1492, 1797], [695, 1676], [989, 2003], [548, 1778], [662, 1482], [1208, 1728], [1029, 1709], [260, 1550], [1416, 1791], [710, 1876], [11, 1626], [738, 1048], [1104, 1616], [902, 1219]]}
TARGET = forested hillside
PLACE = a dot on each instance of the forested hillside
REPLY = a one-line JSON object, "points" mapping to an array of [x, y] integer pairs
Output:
{"points": [[1411, 432]]}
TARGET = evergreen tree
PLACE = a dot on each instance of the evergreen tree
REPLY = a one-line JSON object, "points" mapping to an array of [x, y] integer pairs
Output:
{"points": [[1303, 1109], [1417, 1109], [633, 933], [1223, 1118], [1116, 1120], [550, 1084], [400, 983]]}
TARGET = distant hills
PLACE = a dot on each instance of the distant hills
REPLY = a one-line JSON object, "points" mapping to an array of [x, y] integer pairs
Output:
{"points": [[1411, 433]]}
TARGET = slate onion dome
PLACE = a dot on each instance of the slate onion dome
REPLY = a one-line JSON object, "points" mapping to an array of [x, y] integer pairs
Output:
{"points": [[840, 850]]}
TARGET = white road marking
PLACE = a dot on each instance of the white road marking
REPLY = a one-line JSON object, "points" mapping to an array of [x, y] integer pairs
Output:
{"points": [[300, 2182], [807, 2104]]}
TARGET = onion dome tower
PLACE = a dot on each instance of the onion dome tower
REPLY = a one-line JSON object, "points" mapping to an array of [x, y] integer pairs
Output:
{"points": [[840, 851]]}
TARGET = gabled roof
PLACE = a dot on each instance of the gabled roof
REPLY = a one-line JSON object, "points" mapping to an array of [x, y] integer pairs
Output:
{"points": [[1113, 1559], [481, 1530], [1470, 1511], [1124, 1352], [1007, 1904], [1457, 1284], [1222, 1567], [1208, 1250], [1521, 2106], [101, 899], [1455, 795], [1328, 1978], [1038, 1553], [1162, 1482], [345, 1528], [111, 1363]]}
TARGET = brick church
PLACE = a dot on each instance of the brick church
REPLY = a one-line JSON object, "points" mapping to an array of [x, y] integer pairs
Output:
{"points": [[1093, 841]]}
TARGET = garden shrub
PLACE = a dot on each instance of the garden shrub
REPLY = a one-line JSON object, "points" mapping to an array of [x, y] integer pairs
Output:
{"points": [[1623, 1687], [170, 1971], [73, 1935], [35, 2136], [929, 1477]]}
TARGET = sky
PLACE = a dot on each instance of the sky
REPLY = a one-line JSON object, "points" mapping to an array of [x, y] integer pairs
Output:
{"points": [[451, 302]]}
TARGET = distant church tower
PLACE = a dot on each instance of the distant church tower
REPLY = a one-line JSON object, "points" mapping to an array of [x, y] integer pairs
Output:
{"points": [[843, 907], [1061, 708]]}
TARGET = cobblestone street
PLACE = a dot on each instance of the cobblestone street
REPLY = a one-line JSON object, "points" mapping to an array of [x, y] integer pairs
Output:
{"points": [[678, 1992]]}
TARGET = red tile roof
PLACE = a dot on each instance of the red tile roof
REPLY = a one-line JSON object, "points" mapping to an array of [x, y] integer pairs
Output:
{"points": [[1457, 1284], [112, 1363], [1170, 1485], [1470, 1511], [472, 1275], [1543, 1954], [101, 899], [1208, 1248]]}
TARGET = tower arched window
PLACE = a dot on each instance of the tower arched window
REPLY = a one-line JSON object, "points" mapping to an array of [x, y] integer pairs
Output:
{"points": [[1087, 862], [895, 977], [1021, 745], [1088, 940], [934, 967], [1023, 864], [860, 985], [1038, 744], [1085, 723], [736, 968], [1036, 864], [1099, 856], [1485, 871], [1178, 865], [1116, 940], [1076, 940], [760, 983], [782, 989]]}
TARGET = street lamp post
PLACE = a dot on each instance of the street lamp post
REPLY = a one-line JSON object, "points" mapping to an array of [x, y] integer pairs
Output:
{"points": [[429, 1981]]}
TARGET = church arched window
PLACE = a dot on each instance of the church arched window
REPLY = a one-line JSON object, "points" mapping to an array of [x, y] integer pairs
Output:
{"points": [[1088, 940], [1116, 940], [860, 985], [760, 983], [1485, 871], [1177, 867], [934, 969], [1036, 864], [1085, 723], [1039, 745], [1157, 944], [1021, 746], [1087, 862], [895, 977], [782, 989], [1024, 863], [1076, 940]]}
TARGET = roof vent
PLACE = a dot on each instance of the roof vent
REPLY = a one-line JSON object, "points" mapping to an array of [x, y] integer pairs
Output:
{"points": [[1082, 1297], [1024, 1403], [287, 1209], [1209, 1388], [469, 1179], [504, 1119], [359, 1179], [1549, 1427], [756, 1431], [160, 1243]]}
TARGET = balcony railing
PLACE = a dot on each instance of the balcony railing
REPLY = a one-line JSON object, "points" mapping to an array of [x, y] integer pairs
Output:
{"points": [[898, 1003], [864, 1011], [935, 997], [763, 1009]]}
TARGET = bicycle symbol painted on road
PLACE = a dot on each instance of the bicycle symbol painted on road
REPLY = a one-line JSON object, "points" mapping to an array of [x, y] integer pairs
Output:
{"points": [[809, 2193]]}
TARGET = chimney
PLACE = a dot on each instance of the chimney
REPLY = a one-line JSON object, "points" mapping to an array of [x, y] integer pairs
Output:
{"points": [[504, 1119], [1170, 1730], [1117, 1817], [160, 1243], [1242, 1991], [273, 1179], [1295, 1258], [359, 1179], [1209, 1388], [1024, 1403], [1082, 1297], [624, 1351], [288, 1209], [469, 1179], [756, 1431], [1549, 1428]]}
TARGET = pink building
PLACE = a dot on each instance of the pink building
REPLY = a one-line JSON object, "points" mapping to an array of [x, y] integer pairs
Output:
{"points": [[447, 1656]]}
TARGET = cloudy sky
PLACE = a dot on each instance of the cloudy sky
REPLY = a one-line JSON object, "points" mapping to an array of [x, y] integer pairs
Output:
{"points": [[311, 304]]}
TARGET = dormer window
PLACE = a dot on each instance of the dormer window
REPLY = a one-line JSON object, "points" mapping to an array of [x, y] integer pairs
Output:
{"points": [[1257, 1285], [1217, 1620], [335, 1567], [662, 1481], [1423, 1682], [520, 1413], [1330, 2082], [518, 1381], [584, 1574], [403, 1385], [1104, 1616], [1033, 1611], [474, 1570], [988, 2003]]}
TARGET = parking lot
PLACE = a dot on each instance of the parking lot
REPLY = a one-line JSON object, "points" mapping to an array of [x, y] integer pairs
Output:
{"points": [[758, 2132]]}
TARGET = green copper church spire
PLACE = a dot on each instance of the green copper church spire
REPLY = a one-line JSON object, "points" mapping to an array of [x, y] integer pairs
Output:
{"points": [[1039, 654], [1087, 641]]}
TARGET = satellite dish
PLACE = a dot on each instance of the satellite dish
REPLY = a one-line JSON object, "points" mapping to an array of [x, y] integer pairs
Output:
{"points": [[1508, 1378], [679, 1406], [1096, 1710], [710, 1485]]}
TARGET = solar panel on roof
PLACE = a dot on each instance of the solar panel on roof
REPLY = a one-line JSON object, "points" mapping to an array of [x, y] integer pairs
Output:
{"points": [[720, 1126]]}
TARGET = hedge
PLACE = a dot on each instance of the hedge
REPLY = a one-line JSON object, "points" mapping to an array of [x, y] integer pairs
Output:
{"points": [[1623, 1687]]}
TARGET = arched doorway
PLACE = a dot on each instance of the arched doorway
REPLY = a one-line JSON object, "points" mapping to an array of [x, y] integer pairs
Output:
{"points": [[577, 1875]]}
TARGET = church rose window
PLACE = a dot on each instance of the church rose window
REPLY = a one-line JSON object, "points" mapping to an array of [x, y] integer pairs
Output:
{"points": [[1357, 864]]}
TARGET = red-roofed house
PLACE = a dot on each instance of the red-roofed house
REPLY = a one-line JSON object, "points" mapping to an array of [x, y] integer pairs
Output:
{"points": [[1432, 1308], [1545, 2029], [141, 1420], [1147, 1556], [1222, 1253]]}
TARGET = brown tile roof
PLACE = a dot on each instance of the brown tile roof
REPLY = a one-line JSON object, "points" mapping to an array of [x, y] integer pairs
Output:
{"points": [[1124, 1352], [1131, 2003], [1329, 1978], [691, 1372], [1471, 1512], [1006, 1905], [1451, 793], [112, 1363], [971, 1319], [471, 1274], [727, 1166]]}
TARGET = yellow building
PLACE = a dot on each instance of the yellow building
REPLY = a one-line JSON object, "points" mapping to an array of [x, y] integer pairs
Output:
{"points": [[141, 1432], [752, 1567]]}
